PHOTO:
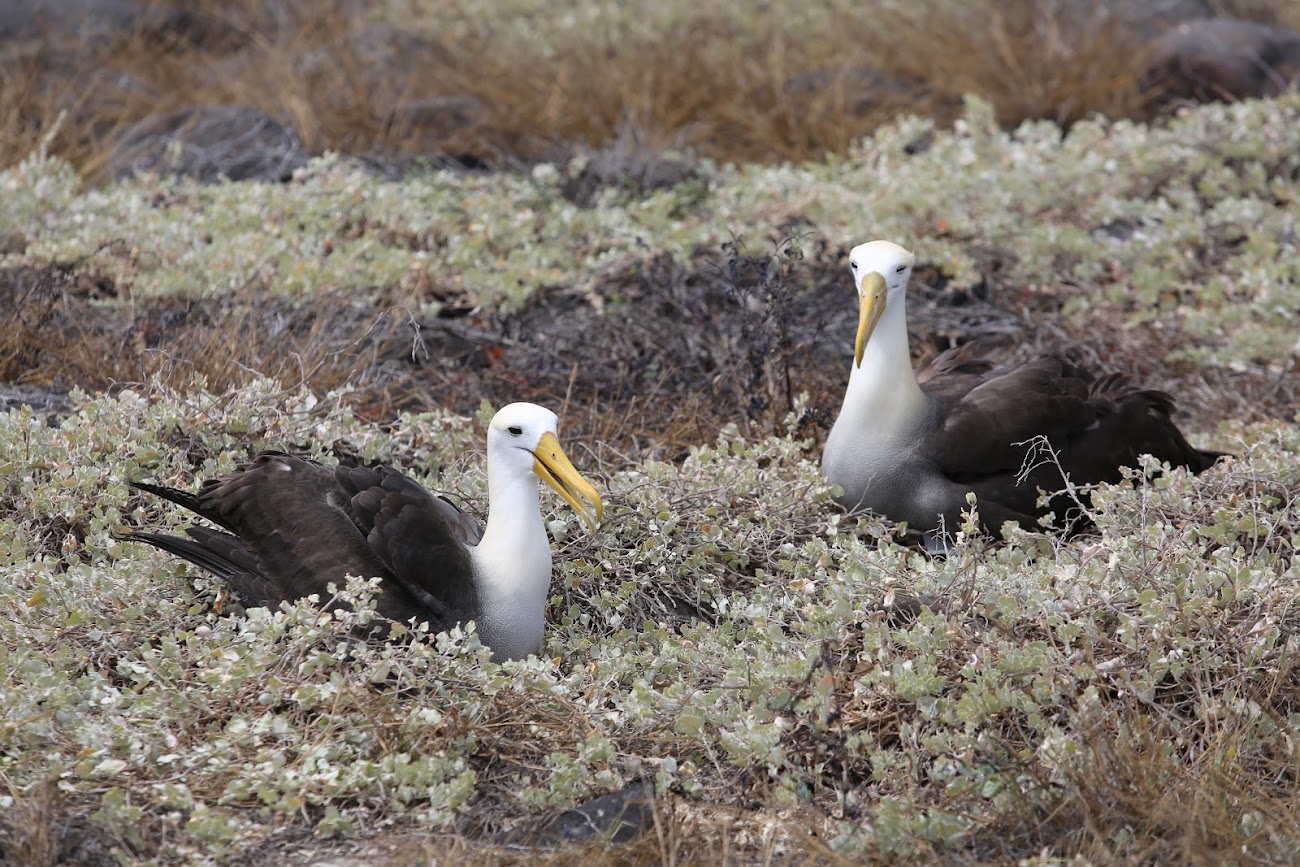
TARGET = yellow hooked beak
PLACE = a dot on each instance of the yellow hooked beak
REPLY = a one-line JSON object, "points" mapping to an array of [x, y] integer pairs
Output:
{"points": [[872, 298], [552, 466]]}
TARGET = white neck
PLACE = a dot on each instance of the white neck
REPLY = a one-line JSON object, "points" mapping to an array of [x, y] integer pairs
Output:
{"points": [[512, 565], [883, 396]]}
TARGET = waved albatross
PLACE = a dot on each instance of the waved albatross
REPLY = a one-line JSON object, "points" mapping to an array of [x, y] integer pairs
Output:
{"points": [[911, 445], [292, 526]]}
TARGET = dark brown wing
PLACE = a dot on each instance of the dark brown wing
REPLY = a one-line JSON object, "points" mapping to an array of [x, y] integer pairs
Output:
{"points": [[1006, 434], [956, 370], [293, 526], [220, 553], [987, 419], [423, 540]]}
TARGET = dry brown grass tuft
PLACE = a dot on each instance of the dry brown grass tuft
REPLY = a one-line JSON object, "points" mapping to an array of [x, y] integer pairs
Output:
{"points": [[59, 335], [1032, 59], [1265, 11], [708, 80], [1133, 798], [1181, 809], [25, 833], [791, 84], [44, 828]]}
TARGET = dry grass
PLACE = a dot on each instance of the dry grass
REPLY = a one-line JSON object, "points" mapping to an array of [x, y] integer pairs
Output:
{"points": [[44, 828], [59, 336], [519, 83], [1029, 59]]}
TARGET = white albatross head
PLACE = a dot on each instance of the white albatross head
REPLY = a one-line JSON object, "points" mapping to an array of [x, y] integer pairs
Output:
{"points": [[881, 270], [522, 440]]}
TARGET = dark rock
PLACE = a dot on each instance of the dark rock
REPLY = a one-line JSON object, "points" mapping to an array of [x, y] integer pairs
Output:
{"points": [[901, 610], [1122, 229], [85, 20], [97, 23], [920, 144], [209, 143], [614, 818], [52, 404], [1211, 59]]}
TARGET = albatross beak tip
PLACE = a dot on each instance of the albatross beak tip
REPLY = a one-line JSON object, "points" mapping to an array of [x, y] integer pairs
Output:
{"points": [[575, 499], [555, 468]]}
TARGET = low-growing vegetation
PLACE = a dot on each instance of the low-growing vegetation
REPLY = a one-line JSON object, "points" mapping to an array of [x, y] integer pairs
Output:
{"points": [[797, 684], [1168, 248], [793, 681]]}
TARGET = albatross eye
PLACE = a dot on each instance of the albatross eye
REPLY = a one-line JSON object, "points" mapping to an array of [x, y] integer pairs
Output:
{"points": [[900, 269], [515, 430]]}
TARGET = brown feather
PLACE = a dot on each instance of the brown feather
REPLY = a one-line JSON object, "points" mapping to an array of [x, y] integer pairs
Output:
{"points": [[1007, 433], [292, 527]]}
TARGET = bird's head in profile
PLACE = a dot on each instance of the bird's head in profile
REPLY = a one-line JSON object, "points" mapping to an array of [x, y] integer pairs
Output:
{"points": [[522, 438], [881, 270]]}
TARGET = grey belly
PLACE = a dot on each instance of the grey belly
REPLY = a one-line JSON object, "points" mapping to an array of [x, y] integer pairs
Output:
{"points": [[901, 488]]}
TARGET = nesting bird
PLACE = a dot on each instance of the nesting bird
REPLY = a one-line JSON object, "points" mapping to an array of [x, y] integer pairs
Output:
{"points": [[289, 527], [911, 445]]}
